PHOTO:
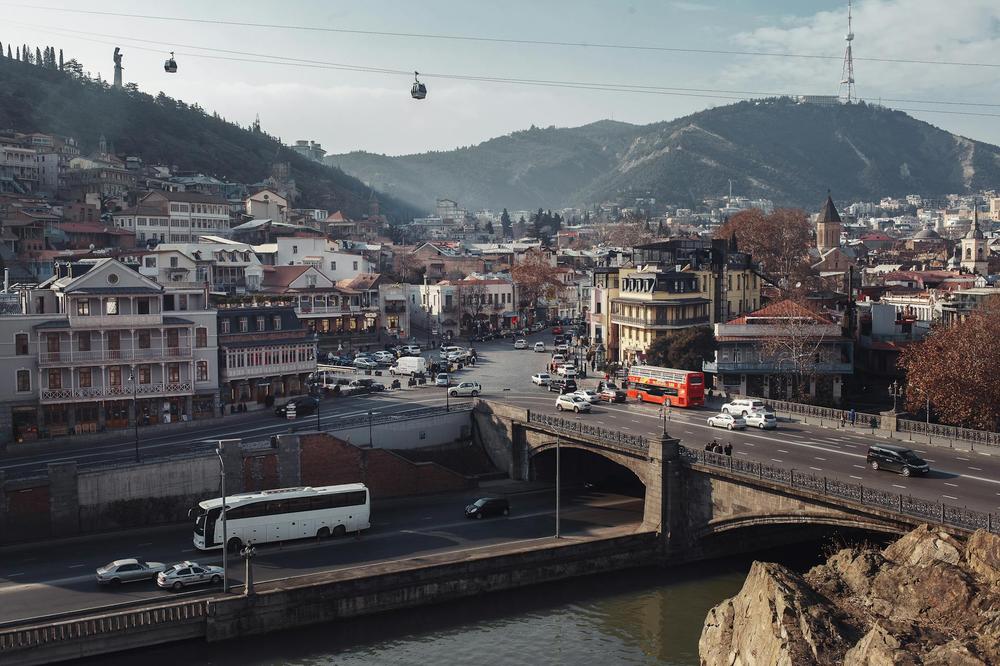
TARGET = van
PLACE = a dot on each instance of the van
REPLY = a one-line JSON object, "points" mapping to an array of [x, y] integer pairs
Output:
{"points": [[409, 365], [896, 459]]}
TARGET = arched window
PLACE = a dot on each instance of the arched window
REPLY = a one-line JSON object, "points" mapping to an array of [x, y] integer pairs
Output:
{"points": [[979, 252], [968, 253]]}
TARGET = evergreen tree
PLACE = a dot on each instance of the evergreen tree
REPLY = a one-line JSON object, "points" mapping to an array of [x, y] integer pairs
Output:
{"points": [[505, 223], [18, 52], [1, 49], [38, 56], [60, 59], [8, 52]]}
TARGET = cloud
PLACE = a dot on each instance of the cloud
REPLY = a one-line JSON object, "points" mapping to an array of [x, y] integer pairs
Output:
{"points": [[692, 6]]}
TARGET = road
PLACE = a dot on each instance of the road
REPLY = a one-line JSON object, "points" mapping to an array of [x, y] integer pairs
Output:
{"points": [[58, 577]]}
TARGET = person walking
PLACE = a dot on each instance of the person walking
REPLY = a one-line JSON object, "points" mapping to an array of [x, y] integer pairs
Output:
{"points": [[852, 416], [729, 449]]}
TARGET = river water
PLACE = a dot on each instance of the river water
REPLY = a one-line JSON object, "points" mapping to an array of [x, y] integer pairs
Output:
{"points": [[641, 616]]}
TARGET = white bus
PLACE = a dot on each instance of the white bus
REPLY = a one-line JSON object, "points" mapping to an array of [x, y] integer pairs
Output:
{"points": [[282, 515]]}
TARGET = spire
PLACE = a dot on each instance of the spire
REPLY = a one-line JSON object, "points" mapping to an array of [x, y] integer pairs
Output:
{"points": [[829, 213]]}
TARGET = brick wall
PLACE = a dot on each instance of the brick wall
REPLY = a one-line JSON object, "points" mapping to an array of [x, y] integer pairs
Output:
{"points": [[327, 460], [260, 472]]}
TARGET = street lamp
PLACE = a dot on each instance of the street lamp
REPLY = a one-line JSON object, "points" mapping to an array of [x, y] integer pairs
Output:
{"points": [[135, 410], [557, 483], [447, 388], [896, 391], [225, 536], [370, 445]]}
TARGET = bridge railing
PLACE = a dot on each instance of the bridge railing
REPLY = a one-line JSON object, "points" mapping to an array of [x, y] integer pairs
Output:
{"points": [[861, 419], [309, 422], [574, 427], [939, 512]]}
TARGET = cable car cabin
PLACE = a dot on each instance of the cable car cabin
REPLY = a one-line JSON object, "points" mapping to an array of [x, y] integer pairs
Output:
{"points": [[170, 66], [419, 90], [679, 388]]}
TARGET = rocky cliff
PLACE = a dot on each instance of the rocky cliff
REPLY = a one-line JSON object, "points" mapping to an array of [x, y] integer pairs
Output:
{"points": [[927, 599]]}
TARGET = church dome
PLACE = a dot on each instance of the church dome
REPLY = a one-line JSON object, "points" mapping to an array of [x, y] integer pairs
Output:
{"points": [[927, 233], [975, 233]]}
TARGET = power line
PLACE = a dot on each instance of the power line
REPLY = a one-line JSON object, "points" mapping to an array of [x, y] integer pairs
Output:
{"points": [[267, 59], [500, 40]]}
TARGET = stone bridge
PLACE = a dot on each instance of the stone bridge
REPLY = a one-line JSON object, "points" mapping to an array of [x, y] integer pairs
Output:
{"points": [[704, 504]]}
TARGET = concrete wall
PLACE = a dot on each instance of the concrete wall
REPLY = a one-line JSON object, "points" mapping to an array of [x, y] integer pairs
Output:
{"points": [[495, 426], [410, 434]]}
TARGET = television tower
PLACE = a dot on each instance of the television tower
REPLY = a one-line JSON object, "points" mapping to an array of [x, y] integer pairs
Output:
{"points": [[847, 76]]}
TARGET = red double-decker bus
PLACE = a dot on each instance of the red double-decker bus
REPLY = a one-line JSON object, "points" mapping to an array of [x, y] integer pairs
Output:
{"points": [[681, 388]]}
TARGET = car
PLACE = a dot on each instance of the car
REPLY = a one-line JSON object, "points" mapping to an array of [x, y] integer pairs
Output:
{"points": [[726, 420], [744, 406], [458, 356], [610, 392], [557, 330], [539, 347], [364, 363], [562, 348], [182, 574], [762, 420], [537, 326], [488, 506], [520, 343], [562, 385], [304, 405], [896, 459], [369, 385], [446, 350], [567, 370], [593, 397], [410, 350], [466, 388], [541, 378], [128, 570], [573, 403], [383, 357], [442, 379]]}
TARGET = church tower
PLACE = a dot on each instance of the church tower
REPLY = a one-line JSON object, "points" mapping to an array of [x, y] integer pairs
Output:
{"points": [[828, 227], [975, 252]]}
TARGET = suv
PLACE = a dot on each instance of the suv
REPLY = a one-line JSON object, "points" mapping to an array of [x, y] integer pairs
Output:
{"points": [[896, 459], [466, 388], [573, 403], [562, 385], [743, 406]]}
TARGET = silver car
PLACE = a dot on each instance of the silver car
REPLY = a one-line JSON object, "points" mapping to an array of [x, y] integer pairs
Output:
{"points": [[181, 575], [729, 421], [128, 570]]}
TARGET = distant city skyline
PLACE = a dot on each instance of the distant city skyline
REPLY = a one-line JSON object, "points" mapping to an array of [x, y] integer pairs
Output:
{"points": [[364, 110]]}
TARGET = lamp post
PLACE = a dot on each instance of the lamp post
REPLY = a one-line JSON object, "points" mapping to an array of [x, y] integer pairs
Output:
{"points": [[135, 410], [447, 388], [557, 483], [896, 391], [225, 536], [370, 445]]}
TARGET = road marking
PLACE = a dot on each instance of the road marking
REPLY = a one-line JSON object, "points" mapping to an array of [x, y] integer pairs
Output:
{"points": [[140, 545], [896, 485], [962, 459], [978, 469], [742, 453], [76, 566], [818, 469], [11, 575], [953, 485], [188, 550], [775, 460], [858, 466], [818, 458], [949, 497], [856, 477], [929, 460], [688, 432], [782, 451]]}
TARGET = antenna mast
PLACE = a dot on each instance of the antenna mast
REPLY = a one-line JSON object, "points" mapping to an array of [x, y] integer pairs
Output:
{"points": [[847, 76]]}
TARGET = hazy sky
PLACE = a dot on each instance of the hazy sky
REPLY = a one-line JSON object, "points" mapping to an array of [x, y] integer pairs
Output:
{"points": [[351, 110]]}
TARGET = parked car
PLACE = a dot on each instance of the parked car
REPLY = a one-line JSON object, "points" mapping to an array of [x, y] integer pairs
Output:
{"points": [[726, 420], [520, 343], [610, 392], [572, 402], [364, 363], [178, 576], [539, 346], [128, 570], [896, 459], [304, 405], [562, 385], [367, 384], [743, 406], [488, 506], [442, 379], [411, 350], [541, 378], [762, 420], [590, 396], [466, 388], [557, 330], [383, 357], [567, 370]]}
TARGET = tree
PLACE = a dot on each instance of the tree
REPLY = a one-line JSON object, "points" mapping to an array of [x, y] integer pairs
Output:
{"points": [[796, 343], [779, 242], [474, 297], [684, 349], [957, 369], [412, 268], [535, 278], [624, 234], [8, 51], [60, 58], [38, 57], [506, 224], [74, 68]]}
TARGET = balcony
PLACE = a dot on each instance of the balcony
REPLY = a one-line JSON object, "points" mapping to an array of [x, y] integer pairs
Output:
{"points": [[752, 367], [268, 370], [113, 356], [116, 321], [659, 324], [395, 307], [322, 310], [125, 391]]}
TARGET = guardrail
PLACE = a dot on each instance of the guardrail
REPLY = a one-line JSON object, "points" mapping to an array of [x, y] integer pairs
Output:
{"points": [[378, 419], [861, 419], [907, 505], [572, 426]]}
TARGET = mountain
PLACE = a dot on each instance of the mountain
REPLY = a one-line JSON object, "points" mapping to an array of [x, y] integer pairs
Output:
{"points": [[777, 148], [162, 130]]}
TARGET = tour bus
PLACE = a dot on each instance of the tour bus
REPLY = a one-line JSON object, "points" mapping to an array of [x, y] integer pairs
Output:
{"points": [[679, 388], [282, 515]]}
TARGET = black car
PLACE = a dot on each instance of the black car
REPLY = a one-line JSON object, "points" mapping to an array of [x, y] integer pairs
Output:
{"points": [[304, 405], [485, 507], [562, 385], [896, 459]]}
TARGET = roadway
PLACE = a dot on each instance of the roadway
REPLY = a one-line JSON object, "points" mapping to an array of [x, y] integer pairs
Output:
{"points": [[57, 577]]}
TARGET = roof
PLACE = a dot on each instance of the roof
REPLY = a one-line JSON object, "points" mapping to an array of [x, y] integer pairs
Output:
{"points": [[282, 276], [786, 309], [190, 197], [91, 228], [829, 212], [360, 282]]}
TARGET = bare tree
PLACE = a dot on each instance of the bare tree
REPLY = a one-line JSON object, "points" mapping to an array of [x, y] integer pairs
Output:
{"points": [[797, 344]]}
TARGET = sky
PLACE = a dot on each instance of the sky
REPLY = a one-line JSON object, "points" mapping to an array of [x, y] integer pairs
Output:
{"points": [[344, 110]]}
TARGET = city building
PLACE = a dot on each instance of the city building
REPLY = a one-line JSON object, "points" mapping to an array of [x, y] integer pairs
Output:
{"points": [[220, 265]]}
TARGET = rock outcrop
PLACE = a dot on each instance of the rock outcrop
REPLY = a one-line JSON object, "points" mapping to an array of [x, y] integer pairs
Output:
{"points": [[926, 600]]}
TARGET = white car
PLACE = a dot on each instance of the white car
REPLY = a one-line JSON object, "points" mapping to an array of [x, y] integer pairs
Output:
{"points": [[446, 350], [411, 350], [520, 343], [383, 357], [183, 574], [593, 397], [572, 402], [566, 371], [363, 363], [762, 420], [727, 421], [744, 406], [558, 358], [539, 347], [441, 379], [466, 388], [562, 347], [541, 378]]}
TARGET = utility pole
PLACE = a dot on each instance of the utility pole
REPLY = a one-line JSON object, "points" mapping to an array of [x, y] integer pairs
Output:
{"points": [[557, 484], [225, 536]]}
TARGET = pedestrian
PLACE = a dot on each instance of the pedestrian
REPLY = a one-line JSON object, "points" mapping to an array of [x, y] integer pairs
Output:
{"points": [[708, 447], [852, 415], [593, 366], [729, 449], [717, 448]]}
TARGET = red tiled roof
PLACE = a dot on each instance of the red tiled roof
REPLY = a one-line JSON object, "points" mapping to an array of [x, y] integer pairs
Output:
{"points": [[282, 276], [782, 310]]}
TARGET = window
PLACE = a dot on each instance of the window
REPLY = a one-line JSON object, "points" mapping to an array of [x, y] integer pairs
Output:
{"points": [[276, 322], [310, 280], [223, 325], [55, 379], [23, 381], [145, 374], [201, 337], [86, 378], [355, 265], [83, 341], [244, 324], [149, 262], [202, 371], [183, 302], [173, 338], [83, 308], [142, 306], [21, 344], [115, 376], [333, 265], [111, 306], [173, 373], [260, 323], [295, 249], [173, 262], [144, 340]]}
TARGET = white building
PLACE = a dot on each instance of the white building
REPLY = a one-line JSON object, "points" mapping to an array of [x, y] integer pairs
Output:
{"points": [[267, 205], [221, 265], [326, 255]]}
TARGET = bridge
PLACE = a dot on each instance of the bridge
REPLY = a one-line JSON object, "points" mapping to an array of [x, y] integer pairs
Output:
{"points": [[705, 504]]}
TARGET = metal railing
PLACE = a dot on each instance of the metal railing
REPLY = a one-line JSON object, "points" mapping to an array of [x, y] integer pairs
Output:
{"points": [[70, 356], [752, 365], [907, 505], [574, 427], [125, 390], [862, 420], [657, 323], [949, 432], [379, 419]]}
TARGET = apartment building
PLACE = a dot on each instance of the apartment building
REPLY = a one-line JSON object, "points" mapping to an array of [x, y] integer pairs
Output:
{"points": [[223, 266], [176, 217], [326, 255], [99, 346]]}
